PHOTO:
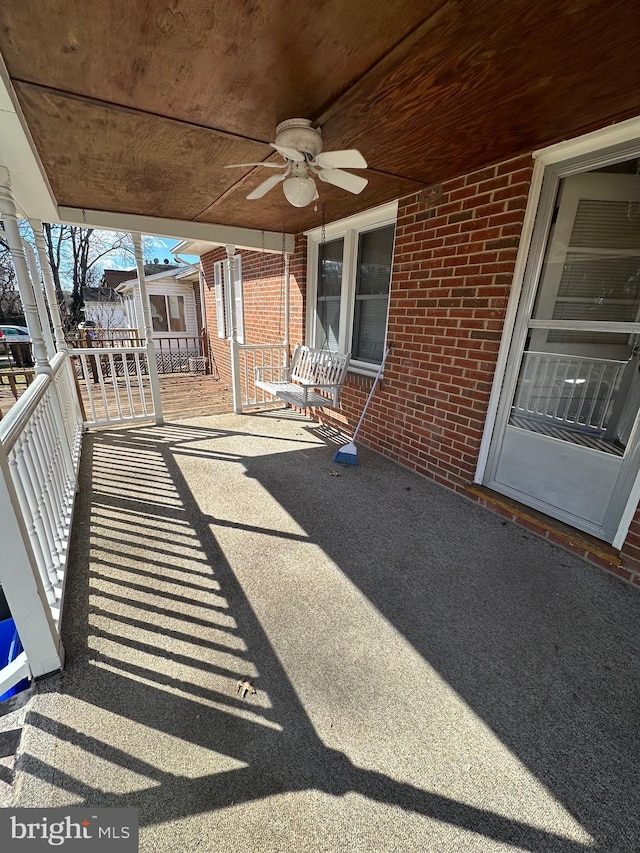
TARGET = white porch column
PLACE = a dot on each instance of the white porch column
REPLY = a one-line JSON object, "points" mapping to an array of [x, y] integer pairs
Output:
{"points": [[49, 286], [148, 330], [39, 297], [25, 287], [233, 343], [23, 585]]}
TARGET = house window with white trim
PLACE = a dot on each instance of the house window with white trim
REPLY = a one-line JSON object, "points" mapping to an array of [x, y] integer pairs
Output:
{"points": [[349, 275], [167, 313], [225, 310]]}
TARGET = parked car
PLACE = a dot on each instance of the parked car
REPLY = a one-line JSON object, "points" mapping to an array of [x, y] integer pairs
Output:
{"points": [[19, 341], [16, 334]]}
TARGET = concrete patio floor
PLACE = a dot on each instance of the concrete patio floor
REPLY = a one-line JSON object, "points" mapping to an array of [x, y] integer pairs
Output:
{"points": [[430, 677]]}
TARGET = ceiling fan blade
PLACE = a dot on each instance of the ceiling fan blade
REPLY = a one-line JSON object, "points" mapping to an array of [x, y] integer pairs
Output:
{"points": [[265, 186], [289, 153], [241, 165], [348, 159], [346, 181]]}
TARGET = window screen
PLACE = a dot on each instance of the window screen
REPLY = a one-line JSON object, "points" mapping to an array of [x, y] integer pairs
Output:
{"points": [[330, 262], [177, 320], [159, 313], [375, 255]]}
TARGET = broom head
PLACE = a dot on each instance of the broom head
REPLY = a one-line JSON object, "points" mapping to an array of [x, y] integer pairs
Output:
{"points": [[347, 455]]}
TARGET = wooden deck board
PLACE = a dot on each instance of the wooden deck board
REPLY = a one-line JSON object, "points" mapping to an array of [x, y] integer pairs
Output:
{"points": [[184, 395]]}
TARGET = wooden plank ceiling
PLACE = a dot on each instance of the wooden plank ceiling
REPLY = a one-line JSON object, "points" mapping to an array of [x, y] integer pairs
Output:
{"points": [[137, 107]]}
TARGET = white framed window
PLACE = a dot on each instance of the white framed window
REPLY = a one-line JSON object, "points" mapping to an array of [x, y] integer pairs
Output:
{"points": [[348, 281], [225, 311], [167, 313]]}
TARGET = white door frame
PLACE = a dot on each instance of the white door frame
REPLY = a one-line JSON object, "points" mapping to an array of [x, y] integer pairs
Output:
{"points": [[551, 164]]}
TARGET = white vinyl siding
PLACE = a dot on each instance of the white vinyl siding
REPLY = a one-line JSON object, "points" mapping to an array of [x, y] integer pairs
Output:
{"points": [[170, 287], [108, 315]]}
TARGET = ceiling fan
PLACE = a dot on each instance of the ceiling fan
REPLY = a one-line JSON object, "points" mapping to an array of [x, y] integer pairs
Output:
{"points": [[301, 146]]}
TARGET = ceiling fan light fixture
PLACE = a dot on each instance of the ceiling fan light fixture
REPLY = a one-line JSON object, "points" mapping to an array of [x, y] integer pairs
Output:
{"points": [[299, 191]]}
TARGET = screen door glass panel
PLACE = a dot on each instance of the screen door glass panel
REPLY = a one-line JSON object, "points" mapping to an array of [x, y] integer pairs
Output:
{"points": [[590, 400], [582, 385], [591, 271]]}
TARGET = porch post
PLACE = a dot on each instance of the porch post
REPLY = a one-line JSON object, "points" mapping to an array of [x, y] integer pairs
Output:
{"points": [[235, 350], [49, 286], [40, 304], [54, 311], [23, 586], [148, 330], [25, 286]]}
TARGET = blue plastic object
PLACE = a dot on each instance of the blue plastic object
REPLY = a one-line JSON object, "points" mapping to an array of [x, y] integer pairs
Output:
{"points": [[10, 648]]}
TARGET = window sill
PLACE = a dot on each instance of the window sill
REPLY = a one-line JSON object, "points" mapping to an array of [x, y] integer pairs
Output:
{"points": [[361, 370]]}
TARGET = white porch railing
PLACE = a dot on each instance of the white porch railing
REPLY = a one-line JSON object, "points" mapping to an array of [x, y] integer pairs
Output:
{"points": [[574, 391], [40, 441], [115, 384], [258, 355]]}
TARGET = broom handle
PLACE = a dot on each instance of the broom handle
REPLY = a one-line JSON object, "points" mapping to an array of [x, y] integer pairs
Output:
{"points": [[373, 388]]}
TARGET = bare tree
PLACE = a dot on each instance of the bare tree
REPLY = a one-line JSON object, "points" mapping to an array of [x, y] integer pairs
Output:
{"points": [[76, 256], [53, 240], [10, 304]]}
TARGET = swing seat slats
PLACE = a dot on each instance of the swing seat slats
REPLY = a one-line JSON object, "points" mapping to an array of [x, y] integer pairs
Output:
{"points": [[315, 378]]}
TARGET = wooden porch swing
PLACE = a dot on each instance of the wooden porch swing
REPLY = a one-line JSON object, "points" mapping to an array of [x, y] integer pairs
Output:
{"points": [[312, 371], [315, 376]]}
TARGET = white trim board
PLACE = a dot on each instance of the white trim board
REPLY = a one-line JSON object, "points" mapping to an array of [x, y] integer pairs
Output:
{"points": [[180, 229], [606, 137]]}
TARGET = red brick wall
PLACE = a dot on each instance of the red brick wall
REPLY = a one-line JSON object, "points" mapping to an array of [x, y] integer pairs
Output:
{"points": [[219, 349], [451, 278], [452, 274], [630, 569], [263, 293]]}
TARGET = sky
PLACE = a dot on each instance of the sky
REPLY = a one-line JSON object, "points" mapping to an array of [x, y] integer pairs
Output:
{"points": [[152, 247]]}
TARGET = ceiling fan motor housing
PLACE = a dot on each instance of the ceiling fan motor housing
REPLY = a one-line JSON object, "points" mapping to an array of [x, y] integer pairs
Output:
{"points": [[297, 133]]}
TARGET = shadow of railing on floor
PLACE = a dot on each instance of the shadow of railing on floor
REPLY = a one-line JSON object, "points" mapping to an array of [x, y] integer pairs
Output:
{"points": [[474, 622]]}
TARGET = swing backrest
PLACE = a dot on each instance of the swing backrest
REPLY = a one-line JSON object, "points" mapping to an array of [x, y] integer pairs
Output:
{"points": [[318, 368]]}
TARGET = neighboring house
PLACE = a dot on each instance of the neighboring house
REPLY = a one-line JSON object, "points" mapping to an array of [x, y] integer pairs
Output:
{"points": [[508, 294], [176, 312], [103, 305]]}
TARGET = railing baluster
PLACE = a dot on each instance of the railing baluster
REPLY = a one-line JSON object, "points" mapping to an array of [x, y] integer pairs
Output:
{"points": [[38, 455], [127, 379], [103, 390], [54, 475], [63, 448], [114, 382], [87, 379], [583, 395], [143, 401], [60, 499], [26, 499], [612, 387], [46, 546], [258, 355], [594, 400]]}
